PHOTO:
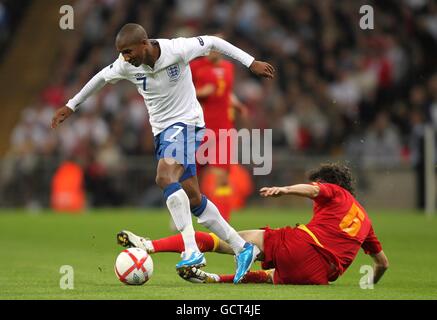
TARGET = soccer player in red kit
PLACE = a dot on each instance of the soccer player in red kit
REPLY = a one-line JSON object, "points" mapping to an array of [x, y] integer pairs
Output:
{"points": [[213, 78], [316, 253]]}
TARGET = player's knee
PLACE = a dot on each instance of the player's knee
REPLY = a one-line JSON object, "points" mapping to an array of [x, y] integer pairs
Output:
{"points": [[163, 180]]}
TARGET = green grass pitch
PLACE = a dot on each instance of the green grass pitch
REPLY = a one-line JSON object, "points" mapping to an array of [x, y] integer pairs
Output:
{"points": [[34, 247]]}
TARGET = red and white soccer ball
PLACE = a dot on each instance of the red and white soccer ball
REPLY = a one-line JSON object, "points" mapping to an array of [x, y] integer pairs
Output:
{"points": [[134, 266]]}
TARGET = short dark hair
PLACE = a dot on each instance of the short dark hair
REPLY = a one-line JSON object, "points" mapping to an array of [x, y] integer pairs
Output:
{"points": [[131, 33], [335, 173]]}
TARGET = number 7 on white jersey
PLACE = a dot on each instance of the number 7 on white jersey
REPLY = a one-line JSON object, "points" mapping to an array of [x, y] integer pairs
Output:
{"points": [[144, 82]]}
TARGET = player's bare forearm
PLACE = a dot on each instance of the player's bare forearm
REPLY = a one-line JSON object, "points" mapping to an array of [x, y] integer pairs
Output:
{"points": [[302, 190], [262, 69], [380, 266], [378, 272], [60, 116]]}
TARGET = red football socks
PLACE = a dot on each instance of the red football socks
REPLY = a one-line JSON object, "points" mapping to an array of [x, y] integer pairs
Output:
{"points": [[205, 241]]}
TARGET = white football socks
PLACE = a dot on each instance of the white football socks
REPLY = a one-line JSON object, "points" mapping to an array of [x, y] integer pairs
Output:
{"points": [[179, 206], [213, 220]]}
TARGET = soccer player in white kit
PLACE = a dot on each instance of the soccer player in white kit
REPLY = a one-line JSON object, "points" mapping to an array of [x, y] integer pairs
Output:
{"points": [[160, 70]]}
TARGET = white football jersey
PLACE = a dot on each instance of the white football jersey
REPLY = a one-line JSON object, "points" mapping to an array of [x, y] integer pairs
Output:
{"points": [[167, 88]]}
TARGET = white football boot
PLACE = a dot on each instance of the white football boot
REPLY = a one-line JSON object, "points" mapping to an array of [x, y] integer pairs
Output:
{"points": [[197, 275], [128, 239]]}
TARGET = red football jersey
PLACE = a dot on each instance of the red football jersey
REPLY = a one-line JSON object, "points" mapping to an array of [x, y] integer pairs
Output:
{"points": [[217, 107], [341, 225]]}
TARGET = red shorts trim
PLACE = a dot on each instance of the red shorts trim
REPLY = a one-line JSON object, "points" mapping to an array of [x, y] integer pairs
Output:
{"points": [[295, 260]]}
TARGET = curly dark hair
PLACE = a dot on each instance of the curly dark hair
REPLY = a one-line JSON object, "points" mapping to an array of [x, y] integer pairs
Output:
{"points": [[335, 173]]}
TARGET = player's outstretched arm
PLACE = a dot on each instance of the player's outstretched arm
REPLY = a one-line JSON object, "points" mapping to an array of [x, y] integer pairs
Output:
{"points": [[380, 265], [94, 85], [260, 68], [108, 74], [303, 190]]}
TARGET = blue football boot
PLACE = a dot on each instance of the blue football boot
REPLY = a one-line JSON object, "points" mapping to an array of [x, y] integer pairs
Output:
{"points": [[244, 260], [195, 259]]}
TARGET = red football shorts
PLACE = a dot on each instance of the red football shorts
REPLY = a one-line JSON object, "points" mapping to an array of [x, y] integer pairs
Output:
{"points": [[295, 260]]}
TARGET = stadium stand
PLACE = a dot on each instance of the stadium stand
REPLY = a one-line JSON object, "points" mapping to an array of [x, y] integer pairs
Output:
{"points": [[339, 90]]}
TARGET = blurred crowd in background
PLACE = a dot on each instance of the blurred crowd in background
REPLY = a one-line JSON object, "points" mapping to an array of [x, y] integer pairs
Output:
{"points": [[338, 91], [10, 14]]}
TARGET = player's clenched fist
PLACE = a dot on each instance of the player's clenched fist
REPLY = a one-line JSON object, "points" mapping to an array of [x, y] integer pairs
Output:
{"points": [[60, 115], [262, 69], [272, 191]]}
